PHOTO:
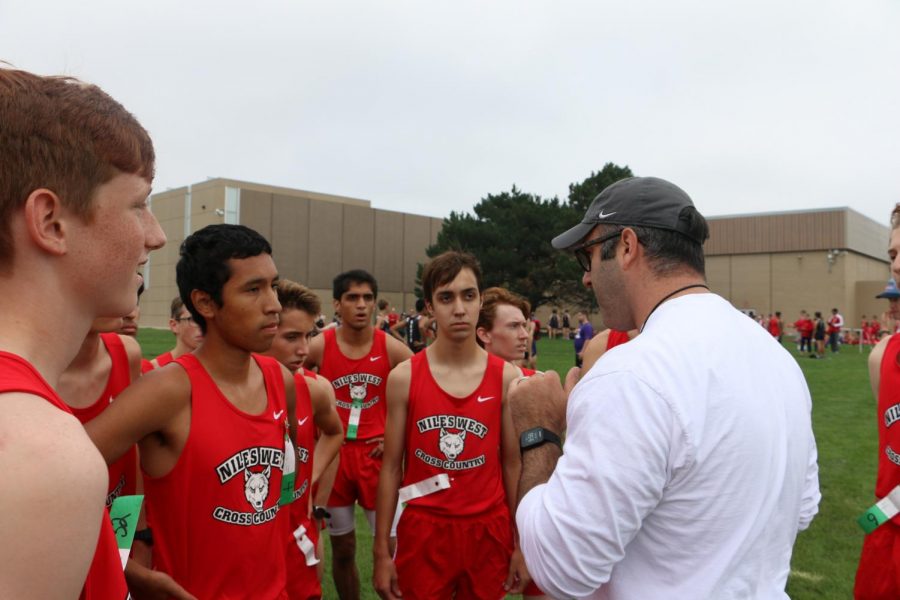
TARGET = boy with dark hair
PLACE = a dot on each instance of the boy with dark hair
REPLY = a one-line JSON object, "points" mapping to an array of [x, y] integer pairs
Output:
{"points": [[75, 229], [296, 327], [214, 433], [450, 439], [356, 358]]}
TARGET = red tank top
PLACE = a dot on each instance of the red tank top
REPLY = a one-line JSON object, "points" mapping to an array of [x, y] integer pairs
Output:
{"points": [[164, 359], [527, 372], [363, 379], [146, 366], [298, 512], [306, 441], [889, 420], [616, 338], [104, 579], [456, 436], [123, 472], [214, 514]]}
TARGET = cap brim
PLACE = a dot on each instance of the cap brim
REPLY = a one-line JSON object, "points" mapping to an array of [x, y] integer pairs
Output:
{"points": [[888, 296], [573, 236]]}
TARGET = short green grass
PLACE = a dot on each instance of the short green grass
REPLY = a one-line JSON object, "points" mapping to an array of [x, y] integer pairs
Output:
{"points": [[155, 341], [825, 555]]}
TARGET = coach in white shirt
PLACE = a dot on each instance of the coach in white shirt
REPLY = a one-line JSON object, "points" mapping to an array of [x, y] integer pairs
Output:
{"points": [[689, 462]]}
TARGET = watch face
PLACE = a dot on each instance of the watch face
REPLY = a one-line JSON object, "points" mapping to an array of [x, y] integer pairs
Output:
{"points": [[532, 436]]}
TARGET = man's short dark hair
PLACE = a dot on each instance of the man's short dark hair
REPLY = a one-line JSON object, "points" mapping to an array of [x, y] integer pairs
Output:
{"points": [[204, 261], [444, 268], [668, 252], [342, 282], [420, 305]]}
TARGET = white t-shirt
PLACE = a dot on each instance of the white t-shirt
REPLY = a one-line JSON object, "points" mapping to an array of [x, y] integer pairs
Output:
{"points": [[689, 466]]}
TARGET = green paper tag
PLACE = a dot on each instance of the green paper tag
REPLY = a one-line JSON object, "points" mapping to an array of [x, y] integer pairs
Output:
{"points": [[871, 519], [288, 472], [884, 510], [124, 514], [353, 423]]}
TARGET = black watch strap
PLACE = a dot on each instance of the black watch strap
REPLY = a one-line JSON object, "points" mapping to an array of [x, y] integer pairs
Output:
{"points": [[144, 535], [536, 437]]}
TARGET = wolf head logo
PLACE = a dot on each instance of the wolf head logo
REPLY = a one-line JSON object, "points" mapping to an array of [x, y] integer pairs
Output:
{"points": [[256, 487], [358, 392], [451, 444]]}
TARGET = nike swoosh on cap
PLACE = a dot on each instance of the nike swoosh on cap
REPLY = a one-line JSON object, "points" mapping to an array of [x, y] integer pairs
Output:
{"points": [[603, 216]]}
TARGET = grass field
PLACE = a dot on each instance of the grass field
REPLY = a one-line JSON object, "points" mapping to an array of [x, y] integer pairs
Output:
{"points": [[825, 555]]}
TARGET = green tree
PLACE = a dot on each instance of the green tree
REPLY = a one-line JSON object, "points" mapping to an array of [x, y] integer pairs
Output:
{"points": [[510, 233], [582, 194]]}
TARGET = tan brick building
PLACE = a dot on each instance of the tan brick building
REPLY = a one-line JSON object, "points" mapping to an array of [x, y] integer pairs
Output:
{"points": [[314, 237], [812, 260], [788, 261]]}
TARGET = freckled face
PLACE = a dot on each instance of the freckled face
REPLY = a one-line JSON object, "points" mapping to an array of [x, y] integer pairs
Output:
{"points": [[109, 249]]}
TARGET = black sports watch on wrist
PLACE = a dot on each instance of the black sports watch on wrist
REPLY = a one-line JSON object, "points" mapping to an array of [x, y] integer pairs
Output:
{"points": [[144, 535], [319, 512], [538, 436]]}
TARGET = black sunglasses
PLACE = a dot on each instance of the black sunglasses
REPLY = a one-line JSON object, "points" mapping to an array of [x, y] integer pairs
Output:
{"points": [[583, 256]]}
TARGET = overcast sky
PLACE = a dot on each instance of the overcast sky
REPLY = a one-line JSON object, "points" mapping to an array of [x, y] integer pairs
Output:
{"points": [[426, 107]]}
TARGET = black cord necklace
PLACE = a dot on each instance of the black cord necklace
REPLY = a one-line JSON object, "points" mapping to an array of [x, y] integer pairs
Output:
{"points": [[669, 295]]}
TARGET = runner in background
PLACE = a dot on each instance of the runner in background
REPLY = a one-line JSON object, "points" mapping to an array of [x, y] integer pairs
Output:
{"points": [[503, 326], [188, 335], [878, 574], [319, 438], [356, 357]]}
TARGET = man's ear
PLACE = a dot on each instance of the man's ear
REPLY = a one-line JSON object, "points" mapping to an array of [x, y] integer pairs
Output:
{"points": [[203, 303], [46, 221], [630, 247], [483, 335]]}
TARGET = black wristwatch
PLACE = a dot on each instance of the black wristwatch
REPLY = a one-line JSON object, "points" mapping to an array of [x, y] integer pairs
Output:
{"points": [[319, 512], [538, 436], [144, 535]]}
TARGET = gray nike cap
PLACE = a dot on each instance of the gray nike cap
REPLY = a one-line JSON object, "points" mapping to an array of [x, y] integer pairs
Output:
{"points": [[638, 201]]}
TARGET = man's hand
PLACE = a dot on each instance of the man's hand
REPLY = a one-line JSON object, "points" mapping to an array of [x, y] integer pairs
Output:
{"points": [[518, 576], [145, 584], [378, 450], [538, 401], [384, 578]]}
